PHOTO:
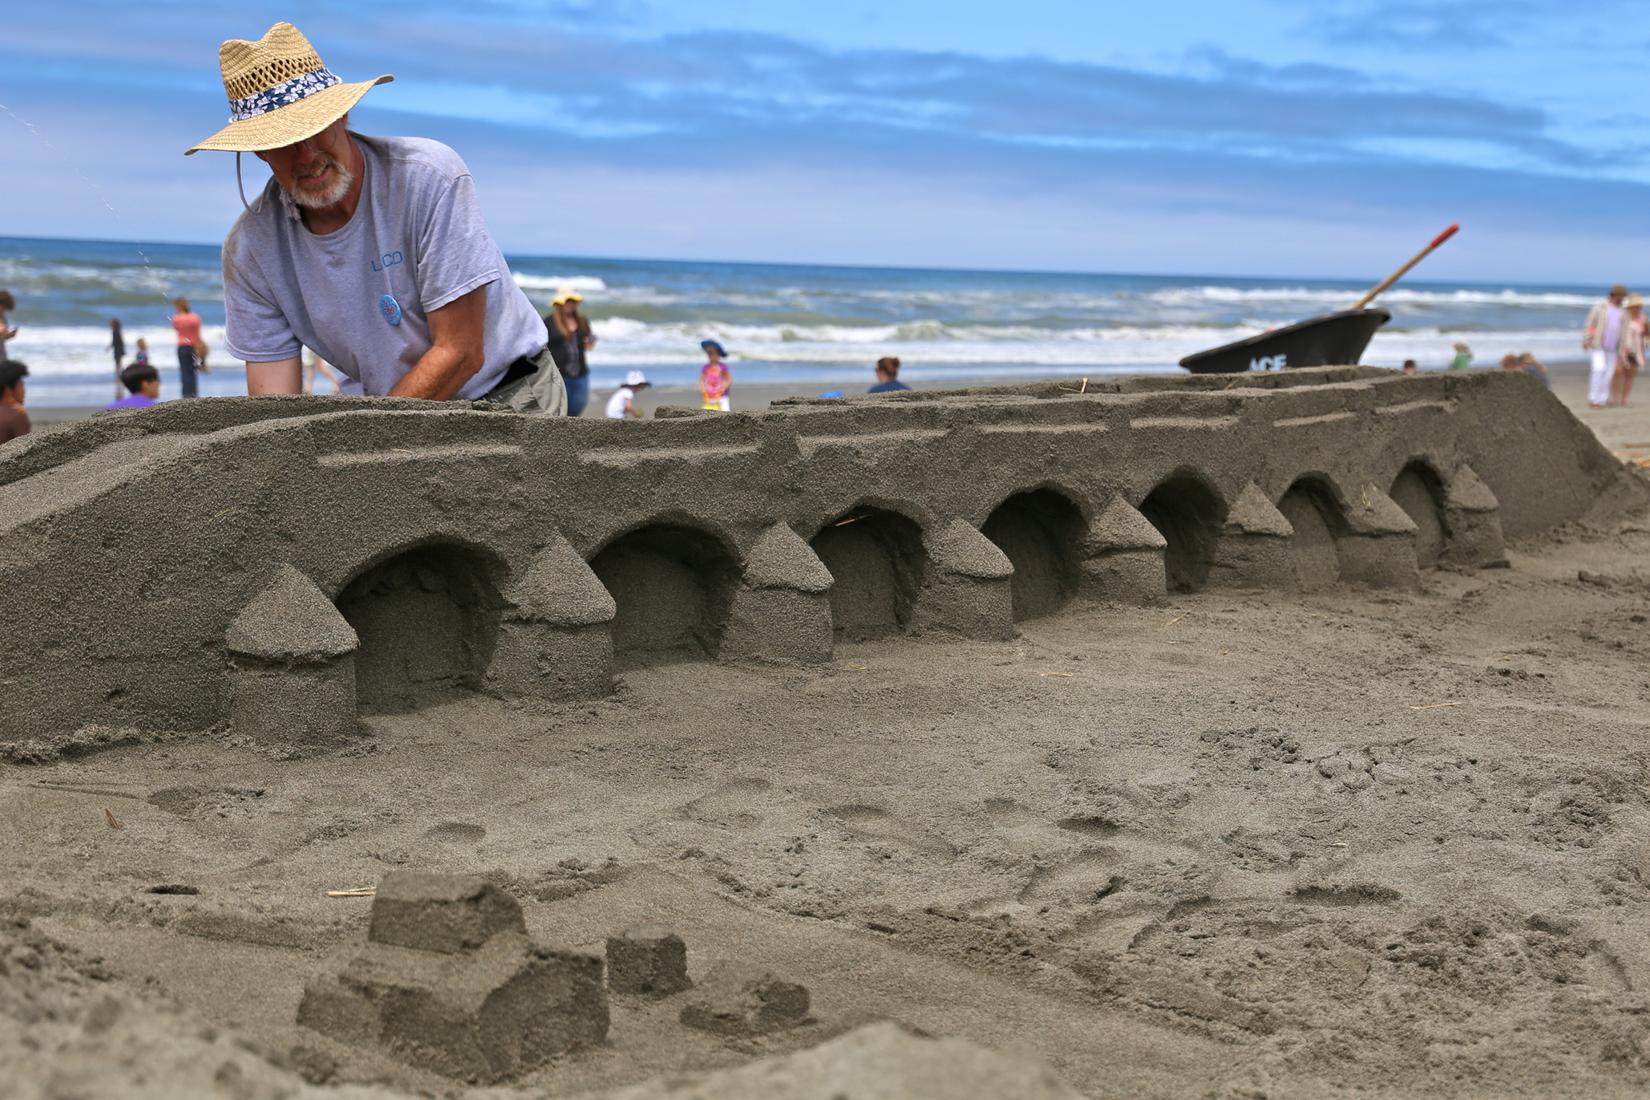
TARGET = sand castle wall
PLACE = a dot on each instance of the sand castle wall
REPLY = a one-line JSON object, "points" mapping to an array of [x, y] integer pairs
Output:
{"points": [[281, 564]]}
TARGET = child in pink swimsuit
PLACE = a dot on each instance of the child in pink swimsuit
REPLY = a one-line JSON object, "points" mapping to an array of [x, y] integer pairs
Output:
{"points": [[715, 381]]}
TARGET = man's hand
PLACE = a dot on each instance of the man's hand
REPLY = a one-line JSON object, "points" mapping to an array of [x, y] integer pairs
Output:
{"points": [[282, 376], [457, 350]]}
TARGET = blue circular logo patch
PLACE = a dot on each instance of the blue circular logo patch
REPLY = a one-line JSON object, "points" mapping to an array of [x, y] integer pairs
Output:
{"points": [[390, 308]]}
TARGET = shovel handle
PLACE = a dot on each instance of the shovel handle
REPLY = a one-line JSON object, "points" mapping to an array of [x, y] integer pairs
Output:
{"points": [[1402, 271]]}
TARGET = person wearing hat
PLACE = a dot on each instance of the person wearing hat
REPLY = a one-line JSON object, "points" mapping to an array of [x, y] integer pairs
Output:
{"points": [[1602, 341], [1630, 351], [715, 380], [371, 251], [570, 341], [622, 405]]}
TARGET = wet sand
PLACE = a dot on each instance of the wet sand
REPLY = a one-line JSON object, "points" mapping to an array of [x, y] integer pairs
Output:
{"points": [[1240, 845]]}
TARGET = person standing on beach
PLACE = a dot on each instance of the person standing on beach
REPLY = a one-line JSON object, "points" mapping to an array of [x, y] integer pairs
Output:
{"points": [[117, 344], [143, 382], [570, 341], [7, 304], [1602, 341], [187, 324], [1463, 357], [1630, 352], [13, 420], [141, 356], [888, 376], [370, 251], [314, 365], [715, 380]]}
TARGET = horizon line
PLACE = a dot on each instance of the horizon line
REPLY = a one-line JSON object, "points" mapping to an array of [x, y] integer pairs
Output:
{"points": [[1356, 280]]}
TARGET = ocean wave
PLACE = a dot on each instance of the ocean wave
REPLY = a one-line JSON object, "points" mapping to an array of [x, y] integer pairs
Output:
{"points": [[69, 364], [1228, 295], [752, 337], [69, 350], [553, 283]]}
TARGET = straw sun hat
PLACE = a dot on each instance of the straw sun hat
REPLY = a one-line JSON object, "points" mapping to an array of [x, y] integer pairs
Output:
{"points": [[279, 92]]}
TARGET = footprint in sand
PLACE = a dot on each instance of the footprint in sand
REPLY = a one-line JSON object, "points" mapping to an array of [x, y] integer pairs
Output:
{"points": [[1086, 877], [1005, 813], [878, 824], [1362, 893], [205, 802], [456, 832], [1092, 825], [739, 804]]}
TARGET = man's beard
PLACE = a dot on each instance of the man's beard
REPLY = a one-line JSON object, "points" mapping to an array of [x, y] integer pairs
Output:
{"points": [[342, 181]]}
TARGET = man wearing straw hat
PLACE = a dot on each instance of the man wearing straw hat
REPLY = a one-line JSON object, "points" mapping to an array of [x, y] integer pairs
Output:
{"points": [[370, 251]]}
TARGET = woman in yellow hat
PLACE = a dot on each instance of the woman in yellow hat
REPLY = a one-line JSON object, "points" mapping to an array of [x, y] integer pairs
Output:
{"points": [[570, 341]]}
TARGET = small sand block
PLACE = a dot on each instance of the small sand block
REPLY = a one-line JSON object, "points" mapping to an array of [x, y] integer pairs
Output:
{"points": [[445, 913], [650, 961], [738, 999]]}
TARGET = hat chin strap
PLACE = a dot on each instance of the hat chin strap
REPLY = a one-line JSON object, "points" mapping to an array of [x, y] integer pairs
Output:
{"points": [[241, 187]]}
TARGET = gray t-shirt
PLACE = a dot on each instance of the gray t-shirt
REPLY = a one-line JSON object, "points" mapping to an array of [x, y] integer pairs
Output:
{"points": [[415, 243]]}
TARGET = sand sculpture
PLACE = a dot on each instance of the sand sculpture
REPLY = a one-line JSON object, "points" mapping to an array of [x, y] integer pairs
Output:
{"points": [[448, 981], [284, 565]]}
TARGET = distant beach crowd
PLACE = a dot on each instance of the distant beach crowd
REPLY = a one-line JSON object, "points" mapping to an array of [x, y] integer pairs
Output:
{"points": [[1615, 336]]}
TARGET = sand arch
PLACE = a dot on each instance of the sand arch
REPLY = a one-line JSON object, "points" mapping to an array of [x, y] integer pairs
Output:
{"points": [[427, 617], [672, 585], [1040, 531], [1313, 508], [876, 560], [1419, 491], [1189, 514]]}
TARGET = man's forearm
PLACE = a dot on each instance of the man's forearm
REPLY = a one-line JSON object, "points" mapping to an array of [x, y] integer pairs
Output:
{"points": [[439, 374]]}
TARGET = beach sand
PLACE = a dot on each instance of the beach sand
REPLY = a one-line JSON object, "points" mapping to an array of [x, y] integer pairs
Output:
{"points": [[1240, 845]]}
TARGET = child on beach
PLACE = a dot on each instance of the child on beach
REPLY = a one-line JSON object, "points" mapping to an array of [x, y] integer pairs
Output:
{"points": [[715, 380], [888, 376], [141, 356], [622, 405], [143, 383], [14, 421], [7, 304]]}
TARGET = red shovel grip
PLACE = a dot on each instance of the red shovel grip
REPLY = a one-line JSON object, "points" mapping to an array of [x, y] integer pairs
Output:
{"points": [[1444, 236]]}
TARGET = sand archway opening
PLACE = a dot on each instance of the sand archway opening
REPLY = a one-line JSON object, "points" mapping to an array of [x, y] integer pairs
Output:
{"points": [[1189, 516], [1419, 491], [1315, 513], [876, 559], [427, 619], [1039, 532], [672, 586]]}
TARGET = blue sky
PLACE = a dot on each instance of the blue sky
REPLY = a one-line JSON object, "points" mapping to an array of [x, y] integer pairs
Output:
{"points": [[1267, 137]]}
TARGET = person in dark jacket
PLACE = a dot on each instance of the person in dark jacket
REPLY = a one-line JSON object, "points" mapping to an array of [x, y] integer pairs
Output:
{"points": [[117, 344], [570, 339]]}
